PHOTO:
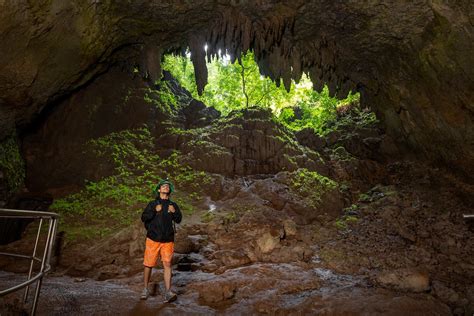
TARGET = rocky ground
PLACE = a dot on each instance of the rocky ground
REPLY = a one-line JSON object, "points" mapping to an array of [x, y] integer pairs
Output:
{"points": [[344, 229]]}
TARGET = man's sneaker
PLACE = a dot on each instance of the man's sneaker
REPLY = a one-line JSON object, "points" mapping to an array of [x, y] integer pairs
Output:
{"points": [[170, 296], [145, 294]]}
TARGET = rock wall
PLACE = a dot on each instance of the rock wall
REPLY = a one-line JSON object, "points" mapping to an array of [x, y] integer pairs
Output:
{"points": [[411, 61], [55, 150]]}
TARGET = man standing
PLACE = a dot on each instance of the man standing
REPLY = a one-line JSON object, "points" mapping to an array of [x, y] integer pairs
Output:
{"points": [[158, 217]]}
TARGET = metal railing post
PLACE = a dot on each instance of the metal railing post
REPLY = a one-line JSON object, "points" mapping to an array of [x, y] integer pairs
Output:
{"points": [[25, 297], [43, 264], [46, 256], [53, 239]]}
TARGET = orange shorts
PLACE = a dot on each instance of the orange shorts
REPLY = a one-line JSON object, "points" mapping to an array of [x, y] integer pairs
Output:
{"points": [[155, 249]]}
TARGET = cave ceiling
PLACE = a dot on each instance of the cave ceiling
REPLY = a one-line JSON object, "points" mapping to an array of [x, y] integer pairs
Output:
{"points": [[412, 61]]}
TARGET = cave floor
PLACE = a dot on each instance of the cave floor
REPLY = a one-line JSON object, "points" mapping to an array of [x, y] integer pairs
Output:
{"points": [[409, 253], [333, 294]]}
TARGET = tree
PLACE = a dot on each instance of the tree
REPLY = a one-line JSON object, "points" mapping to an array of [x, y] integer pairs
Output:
{"points": [[239, 85]]}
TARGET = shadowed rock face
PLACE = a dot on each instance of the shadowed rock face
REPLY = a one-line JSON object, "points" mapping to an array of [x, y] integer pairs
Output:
{"points": [[411, 61]]}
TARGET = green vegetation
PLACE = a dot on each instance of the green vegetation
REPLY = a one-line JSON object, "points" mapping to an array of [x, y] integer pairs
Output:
{"points": [[12, 164], [239, 85], [208, 217], [116, 201], [352, 208], [364, 197], [315, 111], [231, 218], [344, 222], [349, 118], [106, 205], [162, 98], [130, 151], [349, 217], [340, 153], [376, 193], [311, 185], [184, 202], [345, 187]]}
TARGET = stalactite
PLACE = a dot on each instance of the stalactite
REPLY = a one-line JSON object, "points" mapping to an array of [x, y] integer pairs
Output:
{"points": [[332, 87], [296, 66], [246, 35], [153, 62], [264, 67], [198, 57], [315, 74], [286, 76], [277, 58], [344, 89]]}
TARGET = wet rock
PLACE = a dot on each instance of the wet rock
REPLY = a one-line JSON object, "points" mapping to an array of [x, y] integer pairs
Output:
{"points": [[110, 271], [405, 279], [381, 303], [184, 244], [216, 292], [247, 284], [83, 266], [272, 191], [290, 228], [232, 258], [291, 253], [268, 242]]}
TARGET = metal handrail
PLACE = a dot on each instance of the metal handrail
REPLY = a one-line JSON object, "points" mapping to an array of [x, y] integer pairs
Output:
{"points": [[44, 261]]}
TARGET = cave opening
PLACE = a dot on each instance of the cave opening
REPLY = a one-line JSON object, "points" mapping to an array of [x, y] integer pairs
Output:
{"points": [[312, 197], [237, 82]]}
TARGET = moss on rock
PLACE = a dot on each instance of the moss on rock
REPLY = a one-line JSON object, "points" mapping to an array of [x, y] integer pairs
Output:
{"points": [[12, 164]]}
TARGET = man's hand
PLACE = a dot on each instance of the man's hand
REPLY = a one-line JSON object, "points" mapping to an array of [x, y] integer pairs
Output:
{"points": [[158, 208], [171, 209]]}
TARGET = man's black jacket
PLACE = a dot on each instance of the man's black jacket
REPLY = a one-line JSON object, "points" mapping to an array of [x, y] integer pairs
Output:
{"points": [[159, 225]]}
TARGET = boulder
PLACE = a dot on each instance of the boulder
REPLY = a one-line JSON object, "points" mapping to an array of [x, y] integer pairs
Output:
{"points": [[411, 280], [290, 228], [308, 137], [232, 258], [197, 114], [215, 292], [268, 242]]}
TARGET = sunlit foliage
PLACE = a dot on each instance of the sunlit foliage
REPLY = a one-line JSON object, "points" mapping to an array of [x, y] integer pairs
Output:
{"points": [[238, 85]]}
